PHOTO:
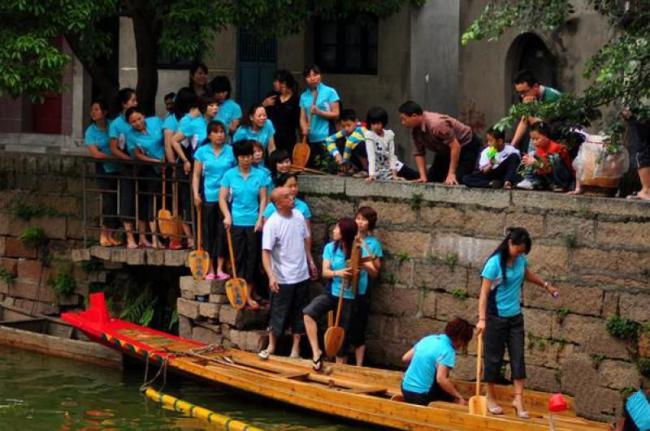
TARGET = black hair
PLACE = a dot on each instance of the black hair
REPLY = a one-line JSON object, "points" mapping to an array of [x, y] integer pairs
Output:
{"points": [[170, 95], [518, 236], [220, 84], [285, 77], [525, 76], [216, 124], [369, 214], [349, 230], [131, 111], [243, 148], [123, 96], [348, 115], [460, 331], [309, 69], [204, 101], [246, 121], [194, 67], [496, 133], [282, 179], [377, 115], [410, 108], [184, 101], [542, 128], [102, 104], [276, 157]]}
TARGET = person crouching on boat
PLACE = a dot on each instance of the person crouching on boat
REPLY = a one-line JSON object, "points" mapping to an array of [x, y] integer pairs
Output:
{"points": [[500, 318], [286, 256], [430, 360], [335, 267]]}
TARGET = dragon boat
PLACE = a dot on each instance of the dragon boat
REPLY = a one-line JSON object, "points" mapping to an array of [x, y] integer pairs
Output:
{"points": [[363, 394]]}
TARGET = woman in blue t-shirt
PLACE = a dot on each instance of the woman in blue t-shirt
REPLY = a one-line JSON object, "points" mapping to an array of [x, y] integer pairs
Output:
{"points": [[211, 162], [145, 142], [431, 360], [257, 127], [500, 317], [97, 141], [335, 268], [229, 111]]}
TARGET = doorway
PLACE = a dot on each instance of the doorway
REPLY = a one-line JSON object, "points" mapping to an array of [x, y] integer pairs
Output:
{"points": [[256, 64]]}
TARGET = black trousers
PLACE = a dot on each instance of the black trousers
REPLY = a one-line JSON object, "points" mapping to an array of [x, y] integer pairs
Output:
{"points": [[108, 187], [408, 173], [214, 233], [126, 199], [184, 194], [502, 332], [466, 163], [506, 171], [359, 323], [246, 250], [148, 184], [436, 393], [316, 149]]}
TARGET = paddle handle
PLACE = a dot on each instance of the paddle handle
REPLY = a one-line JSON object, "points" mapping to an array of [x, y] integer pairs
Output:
{"points": [[479, 358], [339, 308], [232, 254], [198, 228], [163, 188]]}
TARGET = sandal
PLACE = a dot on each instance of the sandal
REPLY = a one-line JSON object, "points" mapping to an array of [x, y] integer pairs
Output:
{"points": [[521, 414], [495, 409], [264, 354], [318, 363], [253, 305]]}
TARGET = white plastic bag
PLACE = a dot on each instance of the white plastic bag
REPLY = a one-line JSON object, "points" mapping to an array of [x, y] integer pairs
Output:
{"points": [[595, 165]]}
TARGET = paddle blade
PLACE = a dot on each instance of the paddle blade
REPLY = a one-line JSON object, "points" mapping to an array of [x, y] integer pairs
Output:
{"points": [[236, 293], [199, 263], [300, 156], [478, 405], [166, 223], [334, 340]]}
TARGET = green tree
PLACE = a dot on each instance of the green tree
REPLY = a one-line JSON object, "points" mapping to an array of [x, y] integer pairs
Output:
{"points": [[32, 61], [619, 72]]}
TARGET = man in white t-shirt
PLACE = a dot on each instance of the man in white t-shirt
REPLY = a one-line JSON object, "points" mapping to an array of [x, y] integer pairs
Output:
{"points": [[286, 257]]}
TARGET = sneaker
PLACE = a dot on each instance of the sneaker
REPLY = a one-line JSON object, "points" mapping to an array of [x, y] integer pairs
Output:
{"points": [[526, 185], [211, 276], [264, 354], [221, 276]]}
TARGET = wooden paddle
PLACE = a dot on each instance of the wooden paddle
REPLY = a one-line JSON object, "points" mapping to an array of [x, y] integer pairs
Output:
{"points": [[176, 222], [166, 223], [478, 403], [301, 151], [296, 168], [335, 335], [199, 259], [235, 287]]}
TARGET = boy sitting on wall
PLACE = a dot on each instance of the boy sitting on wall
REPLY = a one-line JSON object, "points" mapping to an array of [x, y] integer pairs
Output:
{"points": [[354, 155]]}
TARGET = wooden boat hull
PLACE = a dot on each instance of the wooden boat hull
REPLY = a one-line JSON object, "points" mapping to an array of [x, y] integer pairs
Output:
{"points": [[363, 394], [55, 338]]}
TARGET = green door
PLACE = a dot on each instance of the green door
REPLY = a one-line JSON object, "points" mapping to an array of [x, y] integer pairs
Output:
{"points": [[256, 62]]}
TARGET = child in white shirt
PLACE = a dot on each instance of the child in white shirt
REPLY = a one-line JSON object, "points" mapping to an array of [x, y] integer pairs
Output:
{"points": [[498, 164]]}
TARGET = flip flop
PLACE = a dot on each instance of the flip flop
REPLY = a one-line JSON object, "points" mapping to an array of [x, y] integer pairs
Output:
{"points": [[636, 197], [253, 305], [318, 363]]}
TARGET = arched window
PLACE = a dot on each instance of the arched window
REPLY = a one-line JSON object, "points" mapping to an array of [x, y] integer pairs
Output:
{"points": [[528, 51]]}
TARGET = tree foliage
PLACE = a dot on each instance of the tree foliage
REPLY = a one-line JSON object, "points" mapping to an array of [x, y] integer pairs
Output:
{"points": [[619, 72], [32, 61]]}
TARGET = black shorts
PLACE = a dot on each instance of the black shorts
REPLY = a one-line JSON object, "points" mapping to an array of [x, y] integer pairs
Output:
{"points": [[502, 332], [287, 306], [436, 393], [324, 303], [359, 323]]}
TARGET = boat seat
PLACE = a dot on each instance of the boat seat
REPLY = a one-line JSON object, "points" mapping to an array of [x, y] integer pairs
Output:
{"points": [[368, 390], [295, 375]]}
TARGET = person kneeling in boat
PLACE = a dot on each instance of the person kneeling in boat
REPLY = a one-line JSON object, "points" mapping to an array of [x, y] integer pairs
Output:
{"points": [[430, 360], [286, 256]]}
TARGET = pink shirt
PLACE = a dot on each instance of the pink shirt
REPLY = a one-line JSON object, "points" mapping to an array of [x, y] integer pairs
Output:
{"points": [[437, 132]]}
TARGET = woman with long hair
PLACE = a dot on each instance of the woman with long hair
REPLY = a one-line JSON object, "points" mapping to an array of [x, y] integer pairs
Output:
{"points": [[283, 108], [335, 268], [257, 127], [500, 320]]}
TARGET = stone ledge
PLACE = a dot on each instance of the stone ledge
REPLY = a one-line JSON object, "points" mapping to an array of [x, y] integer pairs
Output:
{"points": [[132, 256]]}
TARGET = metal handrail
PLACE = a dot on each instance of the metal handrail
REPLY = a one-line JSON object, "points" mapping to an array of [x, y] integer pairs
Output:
{"points": [[132, 174]]}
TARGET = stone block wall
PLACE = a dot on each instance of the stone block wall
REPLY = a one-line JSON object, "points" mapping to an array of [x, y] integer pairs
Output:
{"points": [[41, 192], [436, 238]]}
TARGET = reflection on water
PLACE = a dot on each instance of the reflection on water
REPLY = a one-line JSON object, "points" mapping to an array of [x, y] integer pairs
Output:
{"points": [[39, 392]]}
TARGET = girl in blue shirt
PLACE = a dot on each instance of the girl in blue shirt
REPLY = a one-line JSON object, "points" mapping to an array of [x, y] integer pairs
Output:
{"points": [[335, 268], [258, 127], [229, 111], [211, 162], [431, 360], [97, 141], [500, 315], [366, 219], [118, 131], [242, 199], [145, 142]]}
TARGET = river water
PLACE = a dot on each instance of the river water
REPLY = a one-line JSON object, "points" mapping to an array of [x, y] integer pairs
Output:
{"points": [[39, 392]]}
